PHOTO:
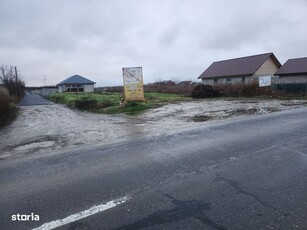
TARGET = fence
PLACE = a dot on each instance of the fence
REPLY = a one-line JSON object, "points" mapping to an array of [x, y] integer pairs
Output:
{"points": [[293, 88]]}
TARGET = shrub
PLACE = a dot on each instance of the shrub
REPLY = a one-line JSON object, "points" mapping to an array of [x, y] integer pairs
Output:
{"points": [[8, 110], [85, 103], [205, 91], [4, 100], [159, 87], [104, 104], [238, 90]]}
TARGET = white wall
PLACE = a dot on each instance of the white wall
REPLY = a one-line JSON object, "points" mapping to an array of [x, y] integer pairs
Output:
{"points": [[88, 88], [224, 80], [268, 68], [60, 89]]}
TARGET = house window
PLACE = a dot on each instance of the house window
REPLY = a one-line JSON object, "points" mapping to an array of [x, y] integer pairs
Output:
{"points": [[216, 81], [229, 80], [243, 80], [74, 88]]}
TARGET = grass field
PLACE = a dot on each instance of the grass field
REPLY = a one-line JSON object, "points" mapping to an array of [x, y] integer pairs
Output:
{"points": [[109, 102]]}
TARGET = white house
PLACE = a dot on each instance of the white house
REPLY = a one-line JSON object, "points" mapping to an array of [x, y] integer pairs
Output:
{"points": [[76, 83]]}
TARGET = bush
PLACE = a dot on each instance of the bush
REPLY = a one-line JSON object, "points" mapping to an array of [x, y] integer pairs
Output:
{"points": [[8, 110], [248, 90], [205, 91], [104, 104], [86, 103], [4, 100], [159, 87]]}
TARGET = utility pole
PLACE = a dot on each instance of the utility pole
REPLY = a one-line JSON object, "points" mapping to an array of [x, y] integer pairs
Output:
{"points": [[17, 84], [45, 90]]}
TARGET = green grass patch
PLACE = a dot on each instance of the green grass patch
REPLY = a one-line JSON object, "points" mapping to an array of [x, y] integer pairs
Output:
{"points": [[108, 103]]}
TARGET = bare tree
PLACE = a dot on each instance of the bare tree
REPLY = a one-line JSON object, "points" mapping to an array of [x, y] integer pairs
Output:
{"points": [[10, 79]]}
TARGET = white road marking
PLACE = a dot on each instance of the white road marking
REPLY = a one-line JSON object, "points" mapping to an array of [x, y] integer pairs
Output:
{"points": [[93, 210]]}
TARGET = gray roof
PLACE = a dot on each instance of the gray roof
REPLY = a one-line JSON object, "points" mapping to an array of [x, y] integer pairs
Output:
{"points": [[293, 66], [244, 66], [77, 79]]}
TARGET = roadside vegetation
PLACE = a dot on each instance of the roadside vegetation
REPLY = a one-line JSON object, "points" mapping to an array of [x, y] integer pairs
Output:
{"points": [[8, 110], [11, 91], [109, 103]]}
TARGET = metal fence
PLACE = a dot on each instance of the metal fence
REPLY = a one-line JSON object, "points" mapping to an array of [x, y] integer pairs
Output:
{"points": [[293, 88]]}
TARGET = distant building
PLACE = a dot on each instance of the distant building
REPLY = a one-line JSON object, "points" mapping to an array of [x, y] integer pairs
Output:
{"points": [[292, 76], [42, 90], [242, 70], [184, 83], [76, 83], [167, 82]]}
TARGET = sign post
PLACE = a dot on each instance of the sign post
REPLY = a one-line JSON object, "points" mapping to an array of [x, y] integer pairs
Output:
{"points": [[133, 84]]}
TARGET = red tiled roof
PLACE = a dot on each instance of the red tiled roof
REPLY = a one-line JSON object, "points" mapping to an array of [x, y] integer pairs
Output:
{"points": [[293, 66], [238, 66]]}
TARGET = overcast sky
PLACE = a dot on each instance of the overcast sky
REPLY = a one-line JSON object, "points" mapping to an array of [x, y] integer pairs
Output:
{"points": [[170, 39]]}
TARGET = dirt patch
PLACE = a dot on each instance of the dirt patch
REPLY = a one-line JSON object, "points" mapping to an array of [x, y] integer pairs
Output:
{"points": [[239, 112], [40, 129], [35, 145], [221, 114], [251, 111], [200, 118], [293, 103]]}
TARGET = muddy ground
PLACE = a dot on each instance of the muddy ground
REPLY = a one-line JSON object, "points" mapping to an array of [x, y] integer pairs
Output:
{"points": [[44, 128]]}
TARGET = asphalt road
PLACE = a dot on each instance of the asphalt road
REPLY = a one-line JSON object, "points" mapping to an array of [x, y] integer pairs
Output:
{"points": [[34, 99], [247, 173]]}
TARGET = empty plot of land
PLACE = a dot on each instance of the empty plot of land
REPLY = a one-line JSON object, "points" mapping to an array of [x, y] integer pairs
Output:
{"points": [[44, 128]]}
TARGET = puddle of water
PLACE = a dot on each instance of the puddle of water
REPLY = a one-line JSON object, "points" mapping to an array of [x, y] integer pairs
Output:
{"points": [[43, 144], [139, 125], [3, 156]]}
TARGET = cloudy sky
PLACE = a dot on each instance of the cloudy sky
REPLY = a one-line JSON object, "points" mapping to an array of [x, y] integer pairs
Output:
{"points": [[170, 39]]}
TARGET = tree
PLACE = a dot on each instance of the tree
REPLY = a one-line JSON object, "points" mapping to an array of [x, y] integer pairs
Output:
{"points": [[10, 80]]}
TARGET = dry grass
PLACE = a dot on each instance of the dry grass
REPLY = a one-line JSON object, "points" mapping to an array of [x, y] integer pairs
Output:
{"points": [[4, 99], [249, 90], [157, 87], [8, 109]]}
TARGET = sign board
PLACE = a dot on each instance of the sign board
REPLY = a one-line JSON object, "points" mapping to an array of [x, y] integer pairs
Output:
{"points": [[264, 81], [133, 84]]}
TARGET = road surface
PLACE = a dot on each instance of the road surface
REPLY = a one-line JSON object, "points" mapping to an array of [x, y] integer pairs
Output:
{"points": [[247, 173], [34, 99]]}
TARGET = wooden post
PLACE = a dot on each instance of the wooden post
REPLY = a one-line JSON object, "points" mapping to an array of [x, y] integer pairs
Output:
{"points": [[17, 84]]}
